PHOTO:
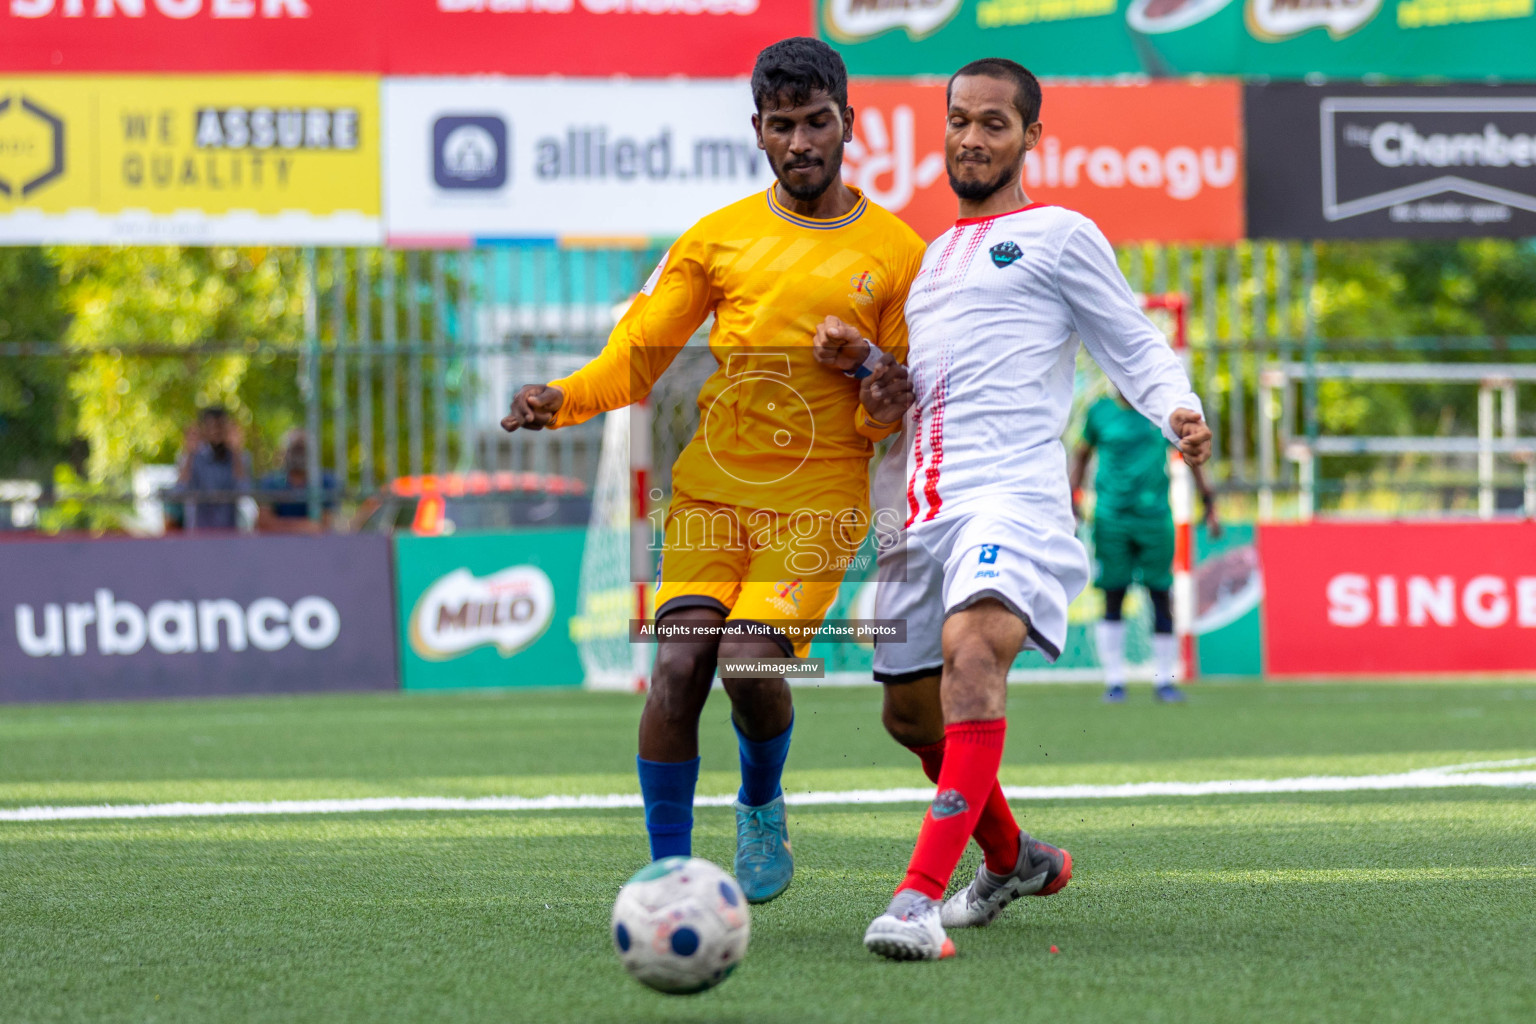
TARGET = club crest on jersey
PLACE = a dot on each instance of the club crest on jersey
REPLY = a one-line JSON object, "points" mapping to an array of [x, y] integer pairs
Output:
{"points": [[786, 596], [1004, 253], [863, 288], [989, 553]]}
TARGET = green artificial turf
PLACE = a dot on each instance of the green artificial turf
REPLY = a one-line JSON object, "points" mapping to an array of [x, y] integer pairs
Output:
{"points": [[1351, 907]]}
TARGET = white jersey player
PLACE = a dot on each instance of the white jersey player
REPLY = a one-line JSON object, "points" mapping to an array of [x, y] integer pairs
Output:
{"points": [[997, 310], [988, 559]]}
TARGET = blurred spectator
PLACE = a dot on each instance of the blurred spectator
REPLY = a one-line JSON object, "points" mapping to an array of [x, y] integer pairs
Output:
{"points": [[285, 506], [213, 461]]}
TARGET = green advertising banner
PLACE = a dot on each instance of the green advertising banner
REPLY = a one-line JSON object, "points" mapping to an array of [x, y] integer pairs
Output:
{"points": [[488, 609], [1469, 39], [1229, 592]]}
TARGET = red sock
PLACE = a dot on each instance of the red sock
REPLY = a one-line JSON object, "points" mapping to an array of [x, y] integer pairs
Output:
{"points": [[996, 831], [932, 756], [973, 752]]}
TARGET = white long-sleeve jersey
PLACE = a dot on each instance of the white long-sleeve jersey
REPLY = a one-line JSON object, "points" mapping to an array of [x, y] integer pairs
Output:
{"points": [[994, 316]]}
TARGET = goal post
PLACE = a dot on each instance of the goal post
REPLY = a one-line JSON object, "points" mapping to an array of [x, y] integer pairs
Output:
{"points": [[615, 559], [1173, 309]]}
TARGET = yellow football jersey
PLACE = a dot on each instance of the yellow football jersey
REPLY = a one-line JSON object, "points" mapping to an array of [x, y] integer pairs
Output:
{"points": [[777, 430]]}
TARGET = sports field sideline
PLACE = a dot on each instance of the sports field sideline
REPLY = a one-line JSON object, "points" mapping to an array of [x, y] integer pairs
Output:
{"points": [[1359, 895]]}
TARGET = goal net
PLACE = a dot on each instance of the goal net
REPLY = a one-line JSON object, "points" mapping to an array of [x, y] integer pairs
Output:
{"points": [[608, 596]]}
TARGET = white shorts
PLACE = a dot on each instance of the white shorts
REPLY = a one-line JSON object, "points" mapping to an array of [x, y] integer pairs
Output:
{"points": [[938, 568]]}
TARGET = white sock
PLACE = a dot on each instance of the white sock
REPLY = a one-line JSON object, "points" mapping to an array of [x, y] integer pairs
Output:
{"points": [[1111, 642], [1165, 655]]}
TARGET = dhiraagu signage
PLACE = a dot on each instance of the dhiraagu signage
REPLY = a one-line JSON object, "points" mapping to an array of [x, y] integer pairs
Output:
{"points": [[488, 609]]}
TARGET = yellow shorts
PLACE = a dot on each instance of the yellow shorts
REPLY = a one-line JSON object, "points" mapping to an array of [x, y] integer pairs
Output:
{"points": [[756, 565]]}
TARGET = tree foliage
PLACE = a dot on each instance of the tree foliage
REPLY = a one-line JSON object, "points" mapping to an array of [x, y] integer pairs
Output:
{"points": [[36, 419], [134, 409], [1415, 296], [1484, 287]]}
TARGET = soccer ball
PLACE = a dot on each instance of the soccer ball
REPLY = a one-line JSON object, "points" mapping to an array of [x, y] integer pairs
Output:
{"points": [[681, 925]]}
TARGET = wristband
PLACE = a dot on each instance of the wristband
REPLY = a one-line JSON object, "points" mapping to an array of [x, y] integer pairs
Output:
{"points": [[874, 424], [869, 365]]}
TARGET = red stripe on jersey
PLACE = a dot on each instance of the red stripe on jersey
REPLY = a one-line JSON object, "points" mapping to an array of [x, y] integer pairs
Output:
{"points": [[941, 388], [970, 250], [936, 443], [949, 247], [982, 220], [917, 467]]}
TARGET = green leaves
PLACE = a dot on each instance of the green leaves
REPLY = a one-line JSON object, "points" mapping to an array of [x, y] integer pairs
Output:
{"points": [[35, 423], [134, 409]]}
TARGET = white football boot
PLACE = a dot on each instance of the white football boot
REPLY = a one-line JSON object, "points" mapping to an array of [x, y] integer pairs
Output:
{"points": [[909, 930], [1041, 870]]}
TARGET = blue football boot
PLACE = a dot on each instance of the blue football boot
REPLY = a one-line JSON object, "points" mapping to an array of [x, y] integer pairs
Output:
{"points": [[764, 864], [1114, 694], [1169, 693]]}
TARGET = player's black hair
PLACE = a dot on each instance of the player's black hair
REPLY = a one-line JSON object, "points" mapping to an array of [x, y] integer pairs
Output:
{"points": [[1026, 87], [789, 71], [213, 412]]}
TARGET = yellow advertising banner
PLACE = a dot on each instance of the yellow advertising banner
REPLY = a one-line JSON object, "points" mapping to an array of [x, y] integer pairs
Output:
{"points": [[192, 159]]}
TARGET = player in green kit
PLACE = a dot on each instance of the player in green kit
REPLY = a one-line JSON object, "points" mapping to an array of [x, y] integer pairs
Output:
{"points": [[1133, 538]]}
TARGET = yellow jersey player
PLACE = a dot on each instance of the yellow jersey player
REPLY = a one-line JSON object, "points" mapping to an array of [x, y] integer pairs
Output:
{"points": [[770, 498]]}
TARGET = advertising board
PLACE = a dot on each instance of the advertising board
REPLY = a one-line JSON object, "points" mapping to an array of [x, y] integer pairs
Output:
{"points": [[1395, 598], [291, 160], [475, 159], [1356, 161], [1111, 152], [711, 38], [1468, 39], [114, 619], [488, 609], [1228, 601], [652, 38]]}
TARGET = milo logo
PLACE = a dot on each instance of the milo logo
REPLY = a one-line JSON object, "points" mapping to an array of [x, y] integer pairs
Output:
{"points": [[459, 612], [1156, 16], [1281, 19], [1266, 19], [852, 21]]}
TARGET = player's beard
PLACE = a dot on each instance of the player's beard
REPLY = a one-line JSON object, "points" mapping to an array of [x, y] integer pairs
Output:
{"points": [[976, 191], [811, 192]]}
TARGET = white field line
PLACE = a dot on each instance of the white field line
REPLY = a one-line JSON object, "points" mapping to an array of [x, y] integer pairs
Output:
{"points": [[1477, 774]]}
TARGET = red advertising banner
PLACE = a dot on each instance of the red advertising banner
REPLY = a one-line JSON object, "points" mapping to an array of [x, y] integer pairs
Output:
{"points": [[1160, 161], [191, 35], [1389, 598], [654, 38], [701, 38]]}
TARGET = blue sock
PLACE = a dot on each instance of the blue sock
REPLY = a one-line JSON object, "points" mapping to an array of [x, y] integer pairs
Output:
{"points": [[762, 765], [667, 789]]}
